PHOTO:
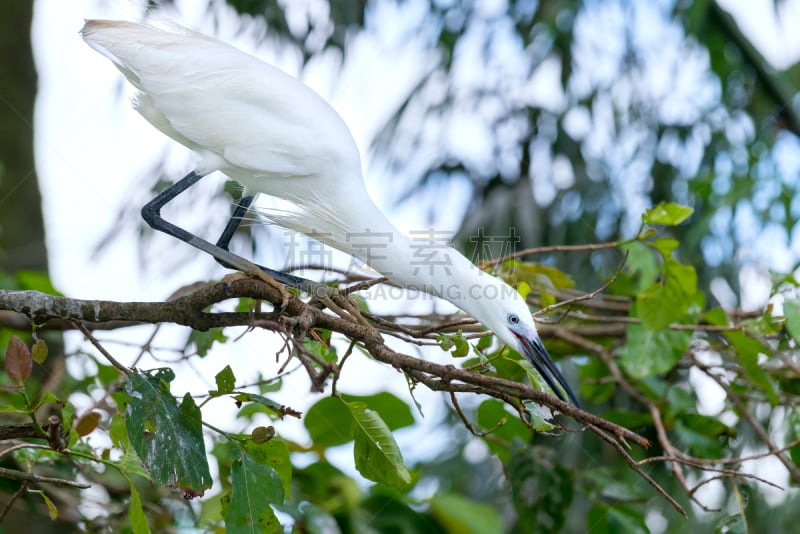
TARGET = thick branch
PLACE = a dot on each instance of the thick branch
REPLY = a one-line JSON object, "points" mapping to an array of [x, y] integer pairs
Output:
{"points": [[190, 310]]}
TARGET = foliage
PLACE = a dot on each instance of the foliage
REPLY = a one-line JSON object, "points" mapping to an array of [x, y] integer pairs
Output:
{"points": [[618, 171], [634, 362]]}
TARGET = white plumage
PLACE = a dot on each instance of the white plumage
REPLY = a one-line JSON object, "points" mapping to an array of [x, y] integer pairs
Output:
{"points": [[266, 130]]}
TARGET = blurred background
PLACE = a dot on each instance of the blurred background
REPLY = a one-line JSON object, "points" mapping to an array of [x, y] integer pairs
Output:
{"points": [[502, 124]]}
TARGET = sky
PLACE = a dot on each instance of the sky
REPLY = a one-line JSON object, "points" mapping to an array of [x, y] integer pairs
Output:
{"points": [[91, 149]]}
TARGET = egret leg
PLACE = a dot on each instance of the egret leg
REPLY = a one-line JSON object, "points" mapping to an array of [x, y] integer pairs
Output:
{"points": [[235, 221], [151, 213]]}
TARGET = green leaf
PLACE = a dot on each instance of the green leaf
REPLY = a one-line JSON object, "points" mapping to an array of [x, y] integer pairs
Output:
{"points": [[542, 489], [38, 281], [51, 507], [274, 453], [39, 351], [465, 516], [329, 423], [377, 455], [702, 434], [649, 353], [270, 404], [610, 487], [524, 289], [203, 341], [538, 382], [595, 386], [136, 515], [254, 487], [445, 342], [395, 412], [493, 416], [129, 462], [791, 309], [535, 275], [716, 317], [326, 352], [748, 350], [226, 382], [628, 418], [620, 519], [462, 345], [167, 438], [457, 343], [667, 214], [323, 483], [668, 300], [641, 261]]}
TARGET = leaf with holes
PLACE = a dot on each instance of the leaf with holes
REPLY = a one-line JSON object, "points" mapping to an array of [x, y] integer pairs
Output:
{"points": [[254, 487], [168, 438], [226, 381]]}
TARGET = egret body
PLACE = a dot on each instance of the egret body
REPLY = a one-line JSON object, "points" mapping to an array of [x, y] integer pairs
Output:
{"points": [[269, 132]]}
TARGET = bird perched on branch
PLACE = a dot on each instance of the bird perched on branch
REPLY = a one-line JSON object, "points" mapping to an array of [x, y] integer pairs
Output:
{"points": [[274, 135]]}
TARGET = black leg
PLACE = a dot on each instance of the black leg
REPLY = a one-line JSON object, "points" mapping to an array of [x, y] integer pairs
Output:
{"points": [[151, 213], [235, 221]]}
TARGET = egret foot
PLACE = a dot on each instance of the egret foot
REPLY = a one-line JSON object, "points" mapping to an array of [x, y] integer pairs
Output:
{"points": [[264, 277]]}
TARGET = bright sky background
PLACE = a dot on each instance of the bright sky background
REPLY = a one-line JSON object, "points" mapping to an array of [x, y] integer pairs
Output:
{"points": [[91, 147]]}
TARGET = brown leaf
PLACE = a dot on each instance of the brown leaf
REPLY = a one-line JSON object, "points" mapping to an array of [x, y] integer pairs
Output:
{"points": [[18, 360], [87, 423], [262, 434]]}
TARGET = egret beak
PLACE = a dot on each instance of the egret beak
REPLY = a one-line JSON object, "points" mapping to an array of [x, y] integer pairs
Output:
{"points": [[534, 351]]}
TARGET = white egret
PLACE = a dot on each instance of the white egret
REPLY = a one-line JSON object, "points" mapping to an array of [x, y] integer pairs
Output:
{"points": [[271, 133]]}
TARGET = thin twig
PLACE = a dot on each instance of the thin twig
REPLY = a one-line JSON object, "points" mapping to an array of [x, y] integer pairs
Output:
{"points": [[79, 325], [553, 248], [635, 466], [794, 472], [22, 489], [31, 477], [587, 296]]}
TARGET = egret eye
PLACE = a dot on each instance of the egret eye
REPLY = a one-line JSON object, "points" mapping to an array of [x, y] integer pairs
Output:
{"points": [[513, 318]]}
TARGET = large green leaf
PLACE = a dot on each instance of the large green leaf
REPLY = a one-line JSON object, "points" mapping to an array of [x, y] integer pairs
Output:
{"points": [[394, 412], [649, 353], [329, 423], [493, 415], [459, 514], [136, 515], [274, 453], [748, 350], [254, 487], [128, 463], [168, 438], [667, 300], [377, 455]]}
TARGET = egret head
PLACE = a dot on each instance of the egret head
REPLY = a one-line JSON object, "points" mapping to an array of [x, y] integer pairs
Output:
{"points": [[510, 318]]}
